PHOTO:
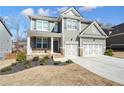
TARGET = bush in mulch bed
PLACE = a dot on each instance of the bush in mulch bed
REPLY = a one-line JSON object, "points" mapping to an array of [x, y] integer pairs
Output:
{"points": [[57, 62], [8, 68], [69, 61], [36, 59], [21, 56]]}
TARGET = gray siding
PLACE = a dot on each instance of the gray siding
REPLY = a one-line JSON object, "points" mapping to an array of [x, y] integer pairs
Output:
{"points": [[5, 40], [93, 31], [71, 35]]}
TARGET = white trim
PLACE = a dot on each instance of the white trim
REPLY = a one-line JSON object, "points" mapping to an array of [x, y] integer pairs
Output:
{"points": [[116, 44], [73, 9], [116, 34], [92, 43], [51, 45], [29, 49], [71, 42]]}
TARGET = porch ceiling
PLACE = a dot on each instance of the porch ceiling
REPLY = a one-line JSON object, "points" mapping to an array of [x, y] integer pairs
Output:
{"points": [[44, 34]]}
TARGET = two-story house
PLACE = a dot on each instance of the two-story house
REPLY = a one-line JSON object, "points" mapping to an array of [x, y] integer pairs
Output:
{"points": [[69, 34]]}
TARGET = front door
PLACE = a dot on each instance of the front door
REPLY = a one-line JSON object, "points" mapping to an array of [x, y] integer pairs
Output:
{"points": [[55, 46]]}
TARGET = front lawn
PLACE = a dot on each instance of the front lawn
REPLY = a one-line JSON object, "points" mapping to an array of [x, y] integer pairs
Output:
{"points": [[52, 75]]}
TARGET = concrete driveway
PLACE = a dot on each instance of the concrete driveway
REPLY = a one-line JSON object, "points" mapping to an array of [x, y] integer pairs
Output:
{"points": [[108, 67]]}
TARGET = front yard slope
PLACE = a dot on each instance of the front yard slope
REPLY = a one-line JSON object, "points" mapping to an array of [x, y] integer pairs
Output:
{"points": [[71, 74]]}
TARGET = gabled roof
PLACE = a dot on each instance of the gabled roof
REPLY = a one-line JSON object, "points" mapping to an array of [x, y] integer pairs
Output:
{"points": [[98, 27], [118, 29], [73, 9], [1, 20]]}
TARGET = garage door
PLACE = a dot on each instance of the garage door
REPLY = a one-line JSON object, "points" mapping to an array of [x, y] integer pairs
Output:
{"points": [[92, 49], [71, 50]]}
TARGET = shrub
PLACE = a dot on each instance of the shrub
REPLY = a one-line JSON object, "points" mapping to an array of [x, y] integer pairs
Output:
{"points": [[35, 58], [5, 69], [109, 52], [43, 61], [69, 61], [13, 64], [21, 56], [57, 62], [46, 57], [27, 64]]}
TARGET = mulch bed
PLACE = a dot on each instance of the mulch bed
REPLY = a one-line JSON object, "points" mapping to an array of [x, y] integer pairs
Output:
{"points": [[19, 66]]}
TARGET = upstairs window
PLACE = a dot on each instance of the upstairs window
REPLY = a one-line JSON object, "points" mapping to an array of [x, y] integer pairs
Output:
{"points": [[71, 24], [42, 25]]}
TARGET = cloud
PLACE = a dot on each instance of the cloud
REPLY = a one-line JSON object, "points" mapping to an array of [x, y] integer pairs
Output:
{"points": [[5, 17], [98, 19], [88, 8], [28, 11], [62, 9], [46, 12]]}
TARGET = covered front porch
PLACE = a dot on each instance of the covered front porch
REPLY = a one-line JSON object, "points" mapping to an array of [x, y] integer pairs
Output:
{"points": [[44, 45]]}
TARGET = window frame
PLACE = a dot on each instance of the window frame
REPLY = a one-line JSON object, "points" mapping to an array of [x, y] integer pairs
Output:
{"points": [[42, 25], [42, 42], [71, 24]]}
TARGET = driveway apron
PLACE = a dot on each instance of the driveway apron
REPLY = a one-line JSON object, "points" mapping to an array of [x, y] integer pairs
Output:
{"points": [[108, 67]]}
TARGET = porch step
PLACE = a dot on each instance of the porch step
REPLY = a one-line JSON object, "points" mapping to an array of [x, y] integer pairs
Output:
{"points": [[57, 56]]}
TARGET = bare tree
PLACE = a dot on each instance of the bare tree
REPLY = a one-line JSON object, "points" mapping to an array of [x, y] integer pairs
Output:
{"points": [[19, 25]]}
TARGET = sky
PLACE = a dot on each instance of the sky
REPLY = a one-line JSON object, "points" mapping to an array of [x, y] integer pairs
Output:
{"points": [[106, 14]]}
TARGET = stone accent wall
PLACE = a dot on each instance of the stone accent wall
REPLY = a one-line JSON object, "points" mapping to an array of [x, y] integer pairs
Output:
{"points": [[81, 51], [62, 51]]}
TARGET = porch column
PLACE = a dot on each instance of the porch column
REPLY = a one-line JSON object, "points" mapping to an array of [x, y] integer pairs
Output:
{"points": [[51, 45], [29, 50]]}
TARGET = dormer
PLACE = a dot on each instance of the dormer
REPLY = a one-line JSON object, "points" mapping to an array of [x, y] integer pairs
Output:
{"points": [[71, 19]]}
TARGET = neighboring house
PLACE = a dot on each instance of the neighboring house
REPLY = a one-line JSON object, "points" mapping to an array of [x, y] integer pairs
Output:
{"points": [[116, 39], [69, 34], [5, 40], [108, 31]]}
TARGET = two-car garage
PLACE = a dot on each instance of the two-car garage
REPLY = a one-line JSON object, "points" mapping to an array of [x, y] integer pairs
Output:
{"points": [[89, 49]]}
